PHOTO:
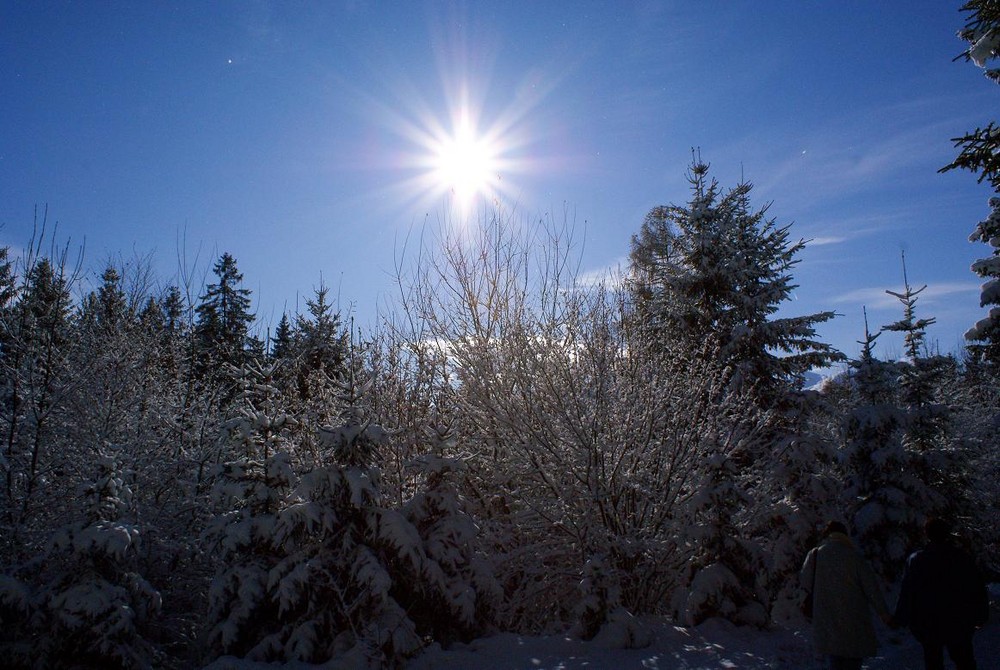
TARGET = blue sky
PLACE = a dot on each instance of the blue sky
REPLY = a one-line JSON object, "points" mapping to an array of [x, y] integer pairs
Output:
{"points": [[294, 135]]}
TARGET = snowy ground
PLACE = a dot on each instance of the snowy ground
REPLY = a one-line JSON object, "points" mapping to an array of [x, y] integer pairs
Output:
{"points": [[714, 644]]}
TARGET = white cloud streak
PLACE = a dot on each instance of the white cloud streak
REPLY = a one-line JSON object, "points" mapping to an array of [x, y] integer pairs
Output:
{"points": [[877, 298], [611, 275], [825, 240]]}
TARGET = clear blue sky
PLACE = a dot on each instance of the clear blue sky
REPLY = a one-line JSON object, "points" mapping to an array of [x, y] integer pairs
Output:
{"points": [[288, 133]]}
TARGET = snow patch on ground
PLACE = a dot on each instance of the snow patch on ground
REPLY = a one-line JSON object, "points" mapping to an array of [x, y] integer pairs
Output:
{"points": [[712, 645]]}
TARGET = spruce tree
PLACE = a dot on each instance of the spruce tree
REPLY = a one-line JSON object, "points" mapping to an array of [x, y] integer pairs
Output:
{"points": [[94, 604], [321, 338], [709, 277], [986, 333], [981, 147], [980, 153], [913, 329], [151, 316], [920, 373], [111, 302], [309, 574], [36, 363], [900, 444], [9, 400], [281, 345], [881, 492], [173, 329], [173, 311], [717, 270], [249, 494], [453, 595], [224, 318], [8, 288], [321, 351]]}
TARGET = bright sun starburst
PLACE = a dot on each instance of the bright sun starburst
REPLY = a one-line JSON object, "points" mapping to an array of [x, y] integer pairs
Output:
{"points": [[461, 161], [466, 165], [457, 150]]}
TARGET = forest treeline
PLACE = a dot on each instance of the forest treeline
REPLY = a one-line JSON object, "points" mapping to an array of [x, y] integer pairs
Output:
{"points": [[511, 448]]}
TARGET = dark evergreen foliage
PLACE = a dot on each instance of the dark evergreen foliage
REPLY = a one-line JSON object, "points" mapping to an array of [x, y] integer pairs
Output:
{"points": [[281, 344], [980, 149], [222, 328], [717, 270], [980, 153]]}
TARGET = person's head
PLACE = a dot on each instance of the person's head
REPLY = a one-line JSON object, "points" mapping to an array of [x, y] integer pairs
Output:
{"points": [[834, 527], [937, 529]]}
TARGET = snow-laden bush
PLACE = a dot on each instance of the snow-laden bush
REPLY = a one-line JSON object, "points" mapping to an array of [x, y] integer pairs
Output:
{"points": [[455, 595], [727, 565], [251, 494], [583, 435], [600, 616], [319, 568], [332, 587], [84, 601]]}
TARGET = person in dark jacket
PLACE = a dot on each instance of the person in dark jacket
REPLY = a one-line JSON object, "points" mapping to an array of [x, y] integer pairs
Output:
{"points": [[943, 599]]}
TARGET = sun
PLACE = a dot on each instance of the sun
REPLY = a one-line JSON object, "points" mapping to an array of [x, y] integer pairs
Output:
{"points": [[465, 164], [458, 152]]}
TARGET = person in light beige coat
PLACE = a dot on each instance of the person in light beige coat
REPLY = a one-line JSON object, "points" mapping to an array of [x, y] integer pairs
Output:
{"points": [[845, 591]]}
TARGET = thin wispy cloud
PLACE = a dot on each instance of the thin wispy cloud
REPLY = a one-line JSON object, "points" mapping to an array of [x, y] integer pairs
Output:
{"points": [[858, 155], [837, 166], [877, 298], [822, 241], [611, 275], [850, 227], [830, 232]]}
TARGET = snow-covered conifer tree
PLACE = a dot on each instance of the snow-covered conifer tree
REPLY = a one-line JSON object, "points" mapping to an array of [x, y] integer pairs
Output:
{"points": [[980, 152], [281, 343], [727, 575], [250, 492], [224, 317], [334, 572], [985, 334], [927, 434], [242, 539], [804, 487], [881, 490], [91, 606], [320, 338], [455, 594], [35, 360], [333, 588], [113, 361], [718, 269], [322, 353]]}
